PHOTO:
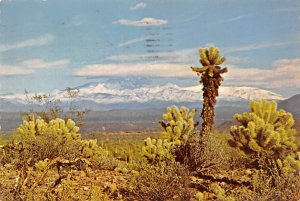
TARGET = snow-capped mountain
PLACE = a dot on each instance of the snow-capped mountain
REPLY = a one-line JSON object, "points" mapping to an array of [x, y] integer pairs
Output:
{"points": [[243, 93], [105, 94]]}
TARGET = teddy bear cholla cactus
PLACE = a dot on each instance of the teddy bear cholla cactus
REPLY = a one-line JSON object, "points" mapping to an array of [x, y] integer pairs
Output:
{"points": [[58, 138], [157, 150], [180, 123], [176, 130], [38, 139], [36, 127], [90, 149], [210, 77], [267, 133]]}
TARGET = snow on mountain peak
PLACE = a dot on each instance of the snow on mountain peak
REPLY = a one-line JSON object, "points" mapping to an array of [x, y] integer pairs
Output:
{"points": [[170, 92], [245, 93], [105, 94]]}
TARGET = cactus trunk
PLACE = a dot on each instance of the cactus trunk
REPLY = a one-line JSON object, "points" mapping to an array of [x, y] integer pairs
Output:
{"points": [[209, 102]]}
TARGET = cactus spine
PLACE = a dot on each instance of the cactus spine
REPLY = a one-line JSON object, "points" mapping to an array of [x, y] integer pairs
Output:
{"points": [[210, 77]]}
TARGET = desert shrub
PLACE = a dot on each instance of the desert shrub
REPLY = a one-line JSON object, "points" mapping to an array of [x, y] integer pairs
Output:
{"points": [[215, 154], [160, 182], [267, 136], [265, 188]]}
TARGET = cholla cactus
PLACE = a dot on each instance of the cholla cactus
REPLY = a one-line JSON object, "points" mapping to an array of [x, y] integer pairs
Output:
{"points": [[210, 74], [180, 123], [38, 127], [290, 164], [157, 150], [269, 133], [176, 132], [41, 139], [91, 149]]}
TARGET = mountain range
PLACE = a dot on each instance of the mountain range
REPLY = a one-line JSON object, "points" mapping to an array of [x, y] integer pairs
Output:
{"points": [[136, 106], [292, 105], [106, 96]]}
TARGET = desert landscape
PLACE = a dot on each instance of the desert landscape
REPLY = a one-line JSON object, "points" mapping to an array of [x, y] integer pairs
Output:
{"points": [[126, 100]]}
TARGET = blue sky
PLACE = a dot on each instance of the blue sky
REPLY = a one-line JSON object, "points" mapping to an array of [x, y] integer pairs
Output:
{"points": [[54, 44]]}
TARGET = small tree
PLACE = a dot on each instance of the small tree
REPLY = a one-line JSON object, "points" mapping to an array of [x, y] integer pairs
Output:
{"points": [[210, 77], [51, 107]]}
